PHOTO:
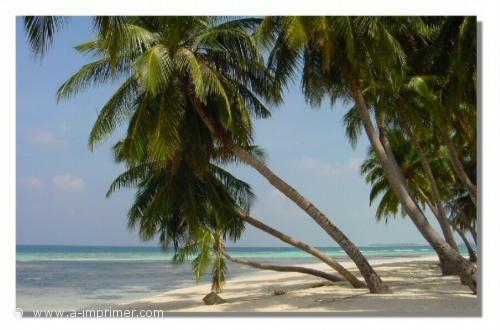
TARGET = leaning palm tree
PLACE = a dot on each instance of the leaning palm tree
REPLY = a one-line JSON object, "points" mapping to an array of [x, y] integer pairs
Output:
{"points": [[389, 205], [138, 161], [453, 58], [347, 275], [194, 209], [185, 65], [219, 199], [208, 247], [414, 172], [228, 181], [346, 58], [417, 102], [143, 166]]}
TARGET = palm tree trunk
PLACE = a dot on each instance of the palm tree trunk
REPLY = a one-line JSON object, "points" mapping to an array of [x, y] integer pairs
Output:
{"points": [[443, 221], [444, 264], [473, 234], [470, 250], [466, 222], [307, 248], [459, 168], [397, 181], [279, 268], [374, 282]]}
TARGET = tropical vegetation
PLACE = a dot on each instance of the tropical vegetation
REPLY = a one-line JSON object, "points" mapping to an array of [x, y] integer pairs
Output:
{"points": [[192, 86]]}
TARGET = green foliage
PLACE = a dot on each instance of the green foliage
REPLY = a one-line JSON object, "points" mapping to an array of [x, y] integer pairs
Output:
{"points": [[41, 30], [417, 75]]}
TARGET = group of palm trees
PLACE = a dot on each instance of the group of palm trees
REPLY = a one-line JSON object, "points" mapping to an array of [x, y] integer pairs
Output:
{"points": [[192, 87]]}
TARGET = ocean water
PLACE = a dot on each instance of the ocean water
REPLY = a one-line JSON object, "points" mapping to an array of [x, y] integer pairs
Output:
{"points": [[75, 277]]}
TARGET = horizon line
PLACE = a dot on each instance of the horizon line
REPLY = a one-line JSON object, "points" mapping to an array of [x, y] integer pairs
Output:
{"points": [[156, 246]]}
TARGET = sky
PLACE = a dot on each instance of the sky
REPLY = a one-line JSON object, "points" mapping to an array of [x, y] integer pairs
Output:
{"points": [[61, 184]]}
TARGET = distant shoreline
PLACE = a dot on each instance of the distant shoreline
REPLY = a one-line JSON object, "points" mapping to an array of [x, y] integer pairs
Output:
{"points": [[230, 247]]}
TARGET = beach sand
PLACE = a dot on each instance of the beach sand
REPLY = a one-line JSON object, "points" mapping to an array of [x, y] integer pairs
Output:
{"points": [[418, 289]]}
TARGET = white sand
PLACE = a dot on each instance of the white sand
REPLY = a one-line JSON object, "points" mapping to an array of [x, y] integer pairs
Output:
{"points": [[418, 288]]}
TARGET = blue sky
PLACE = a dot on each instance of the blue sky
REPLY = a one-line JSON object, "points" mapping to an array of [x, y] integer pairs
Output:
{"points": [[61, 185]]}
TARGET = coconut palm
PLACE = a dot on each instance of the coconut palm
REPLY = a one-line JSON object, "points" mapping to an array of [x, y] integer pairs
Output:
{"points": [[306, 248], [413, 170], [209, 248], [389, 205], [41, 31], [191, 65], [417, 103], [197, 210], [454, 59], [185, 184], [234, 186], [347, 58]]}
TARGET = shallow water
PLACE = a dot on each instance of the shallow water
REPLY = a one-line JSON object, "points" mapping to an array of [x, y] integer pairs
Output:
{"points": [[73, 277]]}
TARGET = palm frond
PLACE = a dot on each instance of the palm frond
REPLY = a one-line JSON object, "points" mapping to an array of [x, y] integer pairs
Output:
{"points": [[41, 31]]}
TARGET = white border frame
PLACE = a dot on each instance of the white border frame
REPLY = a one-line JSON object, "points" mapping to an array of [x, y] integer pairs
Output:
{"points": [[487, 12]]}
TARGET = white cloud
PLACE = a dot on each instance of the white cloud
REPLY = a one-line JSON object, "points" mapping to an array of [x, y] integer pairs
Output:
{"points": [[31, 182], [68, 182], [47, 138], [329, 168]]}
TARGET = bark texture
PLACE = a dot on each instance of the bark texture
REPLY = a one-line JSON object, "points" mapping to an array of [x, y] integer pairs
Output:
{"points": [[279, 268], [444, 264], [463, 267], [470, 250], [374, 282], [459, 168], [474, 234], [307, 248], [436, 195]]}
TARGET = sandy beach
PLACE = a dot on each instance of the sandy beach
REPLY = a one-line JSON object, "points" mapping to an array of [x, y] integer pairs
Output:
{"points": [[418, 289]]}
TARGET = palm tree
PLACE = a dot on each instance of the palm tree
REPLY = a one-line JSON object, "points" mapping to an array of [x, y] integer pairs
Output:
{"points": [[209, 248], [196, 210], [418, 105], [41, 30], [280, 268], [140, 173], [346, 58], [413, 170], [184, 65], [186, 184], [306, 248], [417, 136], [455, 60]]}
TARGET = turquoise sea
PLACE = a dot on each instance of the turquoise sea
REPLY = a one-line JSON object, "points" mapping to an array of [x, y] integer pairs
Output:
{"points": [[73, 277]]}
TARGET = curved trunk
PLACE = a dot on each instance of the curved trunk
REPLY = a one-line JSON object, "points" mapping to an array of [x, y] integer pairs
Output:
{"points": [[307, 248], [279, 268], [463, 267], [459, 168], [374, 282], [466, 222], [470, 250], [474, 234], [444, 264], [436, 196]]}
